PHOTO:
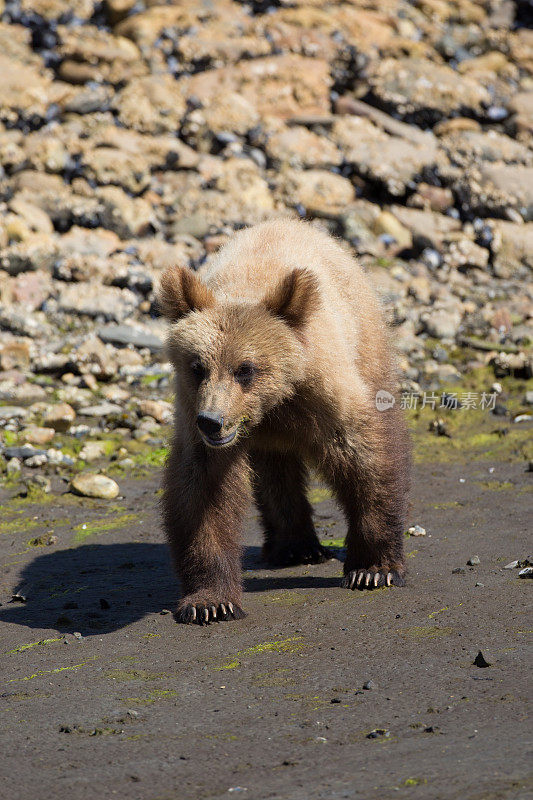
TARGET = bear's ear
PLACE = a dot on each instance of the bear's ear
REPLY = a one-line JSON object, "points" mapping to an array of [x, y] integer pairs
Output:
{"points": [[295, 298], [181, 291]]}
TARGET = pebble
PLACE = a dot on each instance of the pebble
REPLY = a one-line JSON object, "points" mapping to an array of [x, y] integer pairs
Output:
{"points": [[527, 572], [473, 561], [12, 412], [512, 565], [100, 410], [14, 465], [92, 485], [480, 660], [416, 530]]}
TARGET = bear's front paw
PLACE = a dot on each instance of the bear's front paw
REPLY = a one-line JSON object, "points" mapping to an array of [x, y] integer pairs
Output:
{"points": [[372, 578], [202, 611]]}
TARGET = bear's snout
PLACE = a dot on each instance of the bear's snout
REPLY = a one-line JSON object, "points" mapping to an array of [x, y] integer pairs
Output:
{"points": [[211, 425], [210, 422]]}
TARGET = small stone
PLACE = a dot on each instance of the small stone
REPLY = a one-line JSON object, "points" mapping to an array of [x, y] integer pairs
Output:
{"points": [[527, 572], [165, 611], [377, 733], [160, 410], [100, 410], [473, 561], [92, 451], [37, 435], [416, 530], [125, 334], [369, 685], [459, 571], [91, 485], [15, 355], [387, 223], [12, 412], [481, 585], [60, 416], [14, 465], [77, 635], [512, 565], [36, 461], [480, 660]]}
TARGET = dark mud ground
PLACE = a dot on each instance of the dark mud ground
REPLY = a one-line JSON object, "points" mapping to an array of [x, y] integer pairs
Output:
{"points": [[272, 706]]}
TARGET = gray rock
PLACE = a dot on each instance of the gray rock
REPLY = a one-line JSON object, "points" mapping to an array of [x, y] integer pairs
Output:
{"points": [[24, 451], [100, 410], [473, 561], [442, 323], [12, 412], [125, 334], [109, 302]]}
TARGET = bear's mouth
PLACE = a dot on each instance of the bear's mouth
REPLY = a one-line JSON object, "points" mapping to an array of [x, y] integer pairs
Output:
{"points": [[219, 441]]}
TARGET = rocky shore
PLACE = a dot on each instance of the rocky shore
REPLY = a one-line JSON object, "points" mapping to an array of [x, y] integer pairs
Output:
{"points": [[134, 135]]}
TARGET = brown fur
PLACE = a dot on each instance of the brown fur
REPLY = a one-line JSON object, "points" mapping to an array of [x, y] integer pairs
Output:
{"points": [[287, 304]]}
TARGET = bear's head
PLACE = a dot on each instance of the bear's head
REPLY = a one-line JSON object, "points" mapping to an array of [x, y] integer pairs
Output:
{"points": [[235, 360]]}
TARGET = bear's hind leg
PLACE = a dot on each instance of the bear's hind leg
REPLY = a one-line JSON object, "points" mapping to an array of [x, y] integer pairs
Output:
{"points": [[280, 482]]}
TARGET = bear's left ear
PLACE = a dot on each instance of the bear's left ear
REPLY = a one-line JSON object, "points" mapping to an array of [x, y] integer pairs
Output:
{"points": [[181, 291], [295, 298]]}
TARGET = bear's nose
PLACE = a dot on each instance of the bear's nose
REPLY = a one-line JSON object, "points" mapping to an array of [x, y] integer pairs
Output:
{"points": [[210, 422]]}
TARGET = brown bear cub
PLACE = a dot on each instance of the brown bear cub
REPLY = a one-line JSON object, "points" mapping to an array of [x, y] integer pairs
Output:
{"points": [[279, 349]]}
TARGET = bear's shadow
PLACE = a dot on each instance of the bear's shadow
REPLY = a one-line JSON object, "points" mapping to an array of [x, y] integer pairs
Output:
{"points": [[100, 588]]}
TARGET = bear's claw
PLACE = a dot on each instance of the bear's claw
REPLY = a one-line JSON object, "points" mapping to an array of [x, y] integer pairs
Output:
{"points": [[371, 579], [203, 614]]}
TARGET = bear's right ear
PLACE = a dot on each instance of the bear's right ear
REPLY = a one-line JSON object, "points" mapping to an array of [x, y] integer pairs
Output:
{"points": [[181, 291]]}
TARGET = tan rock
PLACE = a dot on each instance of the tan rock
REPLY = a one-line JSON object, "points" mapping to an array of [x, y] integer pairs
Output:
{"points": [[60, 417], [92, 451], [521, 106], [126, 216], [36, 219], [512, 247], [154, 104], [37, 252], [110, 57], [53, 9], [423, 90], [320, 192], [90, 485], [281, 86], [37, 435], [427, 227], [391, 160], [109, 165], [15, 354], [299, 147], [389, 224], [160, 410], [457, 124], [94, 357]]}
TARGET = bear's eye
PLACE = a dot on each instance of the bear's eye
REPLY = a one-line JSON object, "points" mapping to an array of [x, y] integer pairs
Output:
{"points": [[198, 369], [245, 373]]}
